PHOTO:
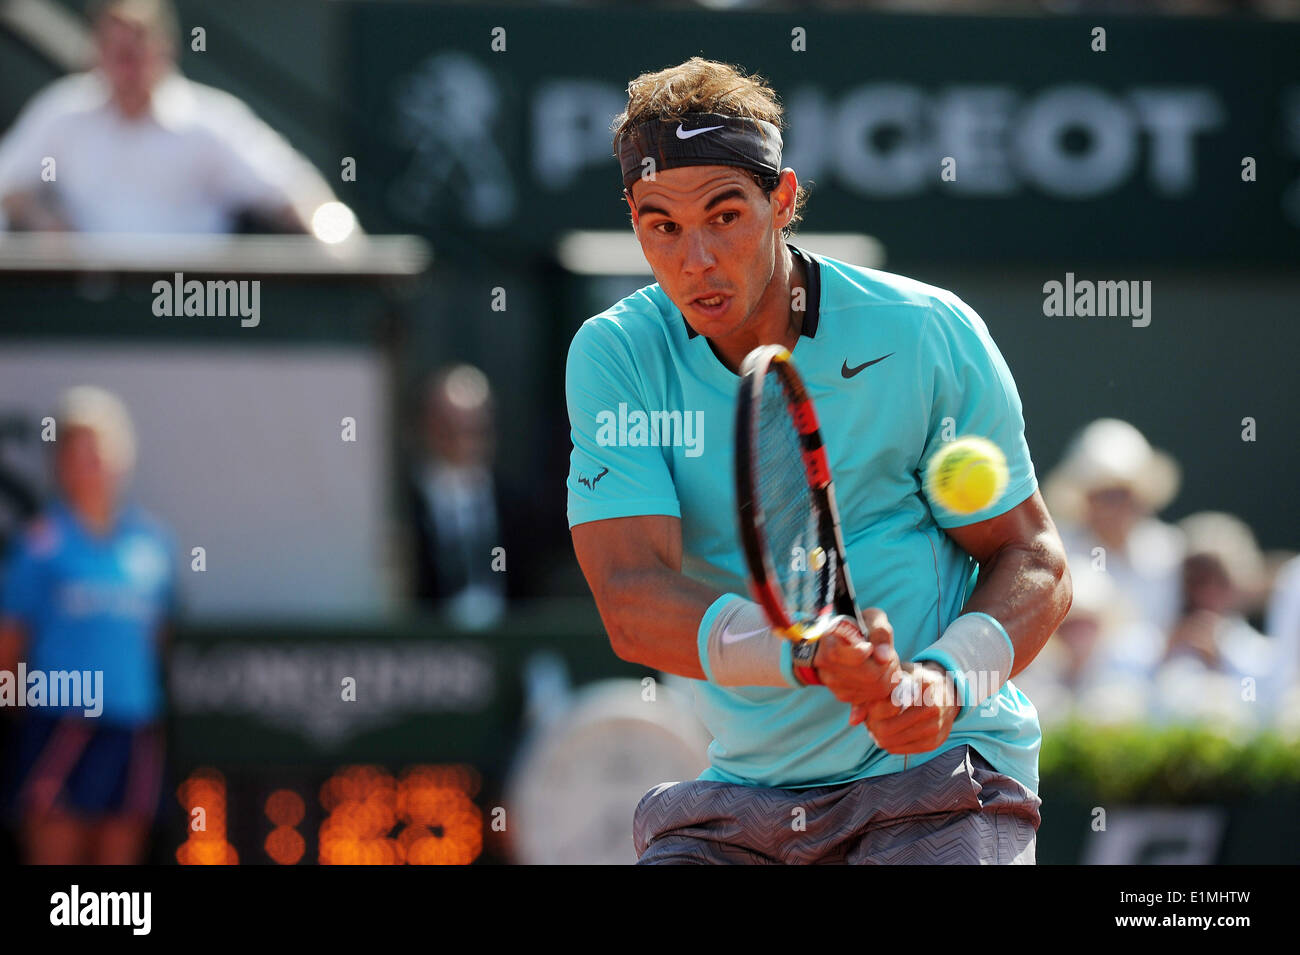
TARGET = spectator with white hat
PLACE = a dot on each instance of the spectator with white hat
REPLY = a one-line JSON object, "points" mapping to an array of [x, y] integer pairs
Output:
{"points": [[1105, 495], [1099, 663]]}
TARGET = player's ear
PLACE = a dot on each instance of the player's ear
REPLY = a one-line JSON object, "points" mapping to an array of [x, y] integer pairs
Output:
{"points": [[784, 195], [627, 194]]}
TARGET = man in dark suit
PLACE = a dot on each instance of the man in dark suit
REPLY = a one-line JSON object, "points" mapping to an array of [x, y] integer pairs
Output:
{"points": [[460, 540]]}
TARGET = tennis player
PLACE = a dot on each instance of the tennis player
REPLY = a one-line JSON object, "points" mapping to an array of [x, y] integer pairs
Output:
{"points": [[817, 756]]}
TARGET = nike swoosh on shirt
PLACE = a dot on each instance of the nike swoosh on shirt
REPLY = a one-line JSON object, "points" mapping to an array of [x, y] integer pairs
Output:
{"points": [[688, 133], [848, 372], [737, 637]]}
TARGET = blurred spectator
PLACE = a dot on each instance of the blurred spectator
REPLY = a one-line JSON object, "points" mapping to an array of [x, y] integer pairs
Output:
{"points": [[87, 591], [18, 504], [1283, 623], [134, 146], [1217, 666], [1098, 665], [1104, 496], [455, 501]]}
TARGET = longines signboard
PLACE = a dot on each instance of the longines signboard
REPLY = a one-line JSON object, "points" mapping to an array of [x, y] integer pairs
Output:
{"points": [[950, 138]]}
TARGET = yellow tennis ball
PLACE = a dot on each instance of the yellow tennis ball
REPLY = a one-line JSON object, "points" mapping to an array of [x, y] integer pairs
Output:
{"points": [[967, 475]]}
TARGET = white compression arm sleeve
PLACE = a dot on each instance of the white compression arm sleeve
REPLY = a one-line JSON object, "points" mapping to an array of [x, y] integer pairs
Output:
{"points": [[739, 648]]}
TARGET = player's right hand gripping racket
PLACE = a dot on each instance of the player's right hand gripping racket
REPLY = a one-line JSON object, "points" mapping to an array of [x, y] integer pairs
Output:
{"points": [[789, 524]]}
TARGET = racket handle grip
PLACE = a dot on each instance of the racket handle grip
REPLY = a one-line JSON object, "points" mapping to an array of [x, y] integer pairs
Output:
{"points": [[808, 676]]}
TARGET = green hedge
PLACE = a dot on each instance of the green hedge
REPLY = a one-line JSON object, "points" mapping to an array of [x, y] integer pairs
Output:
{"points": [[1175, 764]]}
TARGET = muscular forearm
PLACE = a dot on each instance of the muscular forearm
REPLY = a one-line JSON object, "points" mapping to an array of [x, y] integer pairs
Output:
{"points": [[1025, 587], [653, 618], [658, 617]]}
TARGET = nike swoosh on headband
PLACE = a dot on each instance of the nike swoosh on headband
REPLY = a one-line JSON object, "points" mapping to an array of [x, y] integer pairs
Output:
{"points": [[683, 133]]}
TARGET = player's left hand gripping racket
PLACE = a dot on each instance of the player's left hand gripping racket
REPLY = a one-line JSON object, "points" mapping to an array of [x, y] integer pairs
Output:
{"points": [[789, 524]]}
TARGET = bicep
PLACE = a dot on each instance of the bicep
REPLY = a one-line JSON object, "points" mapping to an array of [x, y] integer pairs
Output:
{"points": [[605, 549], [1027, 525]]}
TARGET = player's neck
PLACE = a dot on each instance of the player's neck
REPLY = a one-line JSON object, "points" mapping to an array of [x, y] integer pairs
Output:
{"points": [[777, 321]]}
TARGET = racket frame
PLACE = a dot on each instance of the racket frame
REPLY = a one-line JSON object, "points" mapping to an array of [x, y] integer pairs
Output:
{"points": [[776, 360]]}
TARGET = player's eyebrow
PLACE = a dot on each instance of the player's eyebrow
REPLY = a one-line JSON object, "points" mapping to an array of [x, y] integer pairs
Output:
{"points": [[735, 192]]}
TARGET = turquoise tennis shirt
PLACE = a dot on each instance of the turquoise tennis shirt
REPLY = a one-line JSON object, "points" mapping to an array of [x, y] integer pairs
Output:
{"points": [[652, 409]]}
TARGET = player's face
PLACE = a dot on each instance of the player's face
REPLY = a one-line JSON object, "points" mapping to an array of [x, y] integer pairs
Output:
{"points": [[711, 237]]}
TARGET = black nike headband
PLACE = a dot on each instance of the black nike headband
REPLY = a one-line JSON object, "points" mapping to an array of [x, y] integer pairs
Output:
{"points": [[699, 139]]}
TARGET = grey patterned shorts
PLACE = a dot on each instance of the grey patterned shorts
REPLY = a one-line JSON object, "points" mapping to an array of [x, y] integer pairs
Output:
{"points": [[953, 809]]}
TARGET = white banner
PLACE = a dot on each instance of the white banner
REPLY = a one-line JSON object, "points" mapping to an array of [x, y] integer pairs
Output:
{"points": [[246, 453]]}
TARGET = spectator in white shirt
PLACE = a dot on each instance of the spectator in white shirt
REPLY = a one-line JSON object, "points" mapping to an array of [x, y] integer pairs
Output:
{"points": [[1098, 665], [133, 146], [1283, 620], [1217, 666], [1104, 496], [1282, 623]]}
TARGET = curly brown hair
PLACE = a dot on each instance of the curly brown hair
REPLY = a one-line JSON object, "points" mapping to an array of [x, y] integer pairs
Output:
{"points": [[706, 86]]}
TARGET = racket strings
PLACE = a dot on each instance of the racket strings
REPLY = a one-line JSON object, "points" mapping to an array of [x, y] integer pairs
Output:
{"points": [[790, 520]]}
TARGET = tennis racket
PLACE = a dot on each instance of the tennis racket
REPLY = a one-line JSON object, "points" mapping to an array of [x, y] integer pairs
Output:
{"points": [[789, 524]]}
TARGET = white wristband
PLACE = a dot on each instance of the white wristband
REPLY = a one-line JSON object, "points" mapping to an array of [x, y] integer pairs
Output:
{"points": [[979, 654]]}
